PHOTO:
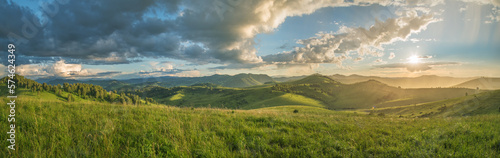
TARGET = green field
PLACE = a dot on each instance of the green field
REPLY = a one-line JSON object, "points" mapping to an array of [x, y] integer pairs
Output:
{"points": [[281, 120], [89, 129], [477, 104]]}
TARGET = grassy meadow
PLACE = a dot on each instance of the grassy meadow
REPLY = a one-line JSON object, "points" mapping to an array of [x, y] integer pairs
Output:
{"points": [[55, 128], [290, 119]]}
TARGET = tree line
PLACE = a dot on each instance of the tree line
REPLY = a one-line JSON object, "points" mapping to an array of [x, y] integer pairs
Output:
{"points": [[82, 90]]}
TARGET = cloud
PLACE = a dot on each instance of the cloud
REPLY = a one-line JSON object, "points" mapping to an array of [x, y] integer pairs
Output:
{"points": [[124, 31], [425, 57], [359, 59], [61, 69], [161, 66], [494, 15], [120, 31], [284, 46], [392, 55], [171, 72], [334, 48], [101, 32], [228, 28], [164, 68], [484, 2], [415, 67]]}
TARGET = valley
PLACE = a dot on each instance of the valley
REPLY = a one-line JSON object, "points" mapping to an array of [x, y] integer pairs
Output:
{"points": [[311, 116]]}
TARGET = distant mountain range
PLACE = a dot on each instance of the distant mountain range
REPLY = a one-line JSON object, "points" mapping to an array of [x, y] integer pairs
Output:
{"points": [[224, 91], [248, 80], [239, 80], [365, 94], [426, 81], [481, 83], [315, 90]]}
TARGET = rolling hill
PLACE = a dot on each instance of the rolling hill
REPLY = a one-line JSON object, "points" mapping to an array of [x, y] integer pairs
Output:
{"points": [[55, 128], [481, 83], [106, 84], [426, 81], [48, 125], [315, 90], [362, 95], [202, 95], [482, 103], [239, 80]]}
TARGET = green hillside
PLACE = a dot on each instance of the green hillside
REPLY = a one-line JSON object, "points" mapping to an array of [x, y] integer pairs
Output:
{"points": [[315, 90], [481, 83], [363, 95], [239, 80], [70, 92], [477, 104], [55, 128], [224, 97], [279, 124]]}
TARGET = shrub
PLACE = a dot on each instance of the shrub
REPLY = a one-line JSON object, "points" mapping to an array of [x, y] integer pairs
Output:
{"points": [[295, 111]]}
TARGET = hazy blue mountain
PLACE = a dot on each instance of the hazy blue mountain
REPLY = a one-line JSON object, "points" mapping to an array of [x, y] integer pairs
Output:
{"points": [[239, 80], [425, 81]]}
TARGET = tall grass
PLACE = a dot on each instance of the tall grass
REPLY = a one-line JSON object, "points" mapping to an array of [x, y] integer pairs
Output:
{"points": [[87, 129]]}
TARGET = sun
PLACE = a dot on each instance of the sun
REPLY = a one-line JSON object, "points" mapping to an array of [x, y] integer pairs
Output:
{"points": [[413, 59]]}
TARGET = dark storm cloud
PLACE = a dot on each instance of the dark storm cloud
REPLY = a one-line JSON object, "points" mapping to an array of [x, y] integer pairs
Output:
{"points": [[96, 32]]}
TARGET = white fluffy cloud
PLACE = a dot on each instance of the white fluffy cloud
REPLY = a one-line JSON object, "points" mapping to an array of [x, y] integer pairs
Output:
{"points": [[392, 55], [484, 2], [334, 48], [228, 27], [59, 69], [161, 66]]}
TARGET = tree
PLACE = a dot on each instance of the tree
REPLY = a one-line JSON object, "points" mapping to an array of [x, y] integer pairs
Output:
{"points": [[122, 100], [70, 98], [97, 95]]}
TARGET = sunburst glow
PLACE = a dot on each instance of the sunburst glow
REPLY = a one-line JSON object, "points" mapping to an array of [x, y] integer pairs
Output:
{"points": [[414, 59]]}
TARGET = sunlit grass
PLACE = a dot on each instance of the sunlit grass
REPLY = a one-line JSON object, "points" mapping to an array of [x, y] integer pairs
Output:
{"points": [[90, 129]]}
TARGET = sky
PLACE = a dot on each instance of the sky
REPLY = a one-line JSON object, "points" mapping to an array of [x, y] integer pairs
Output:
{"points": [[123, 39]]}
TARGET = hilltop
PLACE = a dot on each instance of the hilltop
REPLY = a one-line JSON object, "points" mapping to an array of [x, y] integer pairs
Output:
{"points": [[239, 80], [201, 95], [475, 104], [56, 128], [74, 92], [425, 81], [283, 121], [481, 83], [314, 90], [364, 95]]}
